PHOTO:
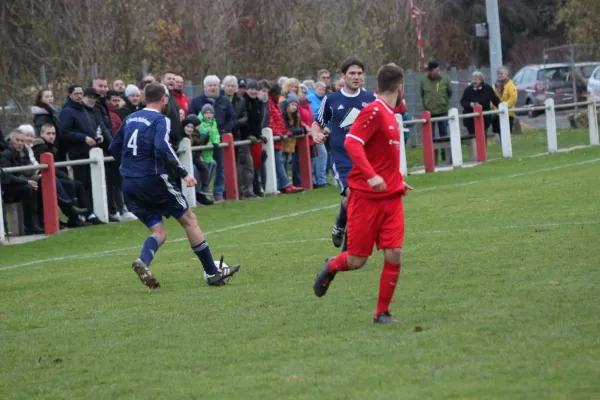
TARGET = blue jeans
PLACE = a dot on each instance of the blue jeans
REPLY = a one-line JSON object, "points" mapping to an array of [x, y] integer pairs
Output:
{"points": [[319, 165], [282, 178], [442, 129], [219, 187]]}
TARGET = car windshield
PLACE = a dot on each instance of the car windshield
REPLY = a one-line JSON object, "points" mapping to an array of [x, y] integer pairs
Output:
{"points": [[588, 70], [553, 74]]}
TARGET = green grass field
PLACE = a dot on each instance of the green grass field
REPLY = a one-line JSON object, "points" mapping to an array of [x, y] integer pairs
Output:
{"points": [[530, 142], [498, 299]]}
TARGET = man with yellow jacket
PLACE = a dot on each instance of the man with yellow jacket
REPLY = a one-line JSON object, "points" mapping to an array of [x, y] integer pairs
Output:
{"points": [[507, 93]]}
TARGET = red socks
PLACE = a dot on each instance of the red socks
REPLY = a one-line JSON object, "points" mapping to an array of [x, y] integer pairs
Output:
{"points": [[340, 263], [387, 286]]}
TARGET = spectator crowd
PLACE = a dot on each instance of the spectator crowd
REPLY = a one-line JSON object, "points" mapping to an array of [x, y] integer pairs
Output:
{"points": [[91, 115]]}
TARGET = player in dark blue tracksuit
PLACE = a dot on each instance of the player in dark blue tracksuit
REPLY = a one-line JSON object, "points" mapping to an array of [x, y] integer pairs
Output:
{"points": [[339, 110], [142, 147]]}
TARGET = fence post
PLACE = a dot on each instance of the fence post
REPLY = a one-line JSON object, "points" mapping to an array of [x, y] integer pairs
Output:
{"points": [[402, 146], [551, 126], [505, 138], [186, 159], [305, 162], [480, 139], [231, 184], [455, 140], [271, 184], [593, 122], [49, 197], [427, 138], [98, 184]]}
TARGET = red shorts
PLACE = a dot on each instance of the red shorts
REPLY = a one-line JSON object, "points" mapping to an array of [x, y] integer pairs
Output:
{"points": [[374, 221]]}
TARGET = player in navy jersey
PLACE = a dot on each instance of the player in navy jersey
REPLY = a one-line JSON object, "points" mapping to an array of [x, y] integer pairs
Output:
{"points": [[142, 147], [338, 111]]}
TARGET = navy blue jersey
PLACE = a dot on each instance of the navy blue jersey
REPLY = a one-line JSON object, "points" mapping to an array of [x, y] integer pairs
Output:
{"points": [[142, 145], [339, 110]]}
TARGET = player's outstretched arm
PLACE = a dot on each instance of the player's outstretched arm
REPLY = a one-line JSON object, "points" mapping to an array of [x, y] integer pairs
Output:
{"points": [[116, 145], [164, 149]]}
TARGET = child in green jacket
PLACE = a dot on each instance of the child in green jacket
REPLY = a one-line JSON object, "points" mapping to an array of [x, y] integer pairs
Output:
{"points": [[208, 132]]}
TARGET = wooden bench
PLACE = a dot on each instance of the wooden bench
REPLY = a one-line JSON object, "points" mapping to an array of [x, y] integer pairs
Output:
{"points": [[444, 143]]}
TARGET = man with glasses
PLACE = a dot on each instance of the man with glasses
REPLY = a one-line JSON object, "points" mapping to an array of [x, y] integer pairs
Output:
{"points": [[324, 76]]}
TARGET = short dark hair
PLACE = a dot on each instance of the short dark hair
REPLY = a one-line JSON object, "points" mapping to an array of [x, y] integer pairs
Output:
{"points": [[264, 84], [46, 126], [431, 65], [388, 78], [154, 92], [143, 83], [274, 89], [73, 86], [349, 62], [112, 93], [100, 78]]}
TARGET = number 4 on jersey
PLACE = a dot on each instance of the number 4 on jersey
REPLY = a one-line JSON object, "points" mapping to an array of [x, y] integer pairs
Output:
{"points": [[132, 144]]}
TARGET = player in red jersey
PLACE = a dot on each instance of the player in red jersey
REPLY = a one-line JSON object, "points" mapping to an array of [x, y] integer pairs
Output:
{"points": [[375, 214]]}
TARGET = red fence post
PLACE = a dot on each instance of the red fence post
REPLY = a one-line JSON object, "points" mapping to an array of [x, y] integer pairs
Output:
{"points": [[305, 162], [480, 140], [49, 197], [427, 135], [231, 184]]}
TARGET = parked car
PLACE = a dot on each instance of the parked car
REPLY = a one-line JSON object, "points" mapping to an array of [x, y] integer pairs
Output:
{"points": [[535, 83], [582, 73], [538, 82], [593, 84]]}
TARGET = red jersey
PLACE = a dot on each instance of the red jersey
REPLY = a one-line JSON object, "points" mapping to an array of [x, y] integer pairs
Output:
{"points": [[373, 144]]}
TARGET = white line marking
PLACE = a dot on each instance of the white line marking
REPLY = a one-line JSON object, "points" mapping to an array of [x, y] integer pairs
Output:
{"points": [[295, 214], [506, 177], [411, 233], [101, 253]]}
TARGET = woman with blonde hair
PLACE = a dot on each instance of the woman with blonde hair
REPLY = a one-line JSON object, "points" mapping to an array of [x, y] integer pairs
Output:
{"points": [[291, 85]]}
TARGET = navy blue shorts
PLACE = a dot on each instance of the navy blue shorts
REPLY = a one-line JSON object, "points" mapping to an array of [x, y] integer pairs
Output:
{"points": [[340, 174], [153, 197]]}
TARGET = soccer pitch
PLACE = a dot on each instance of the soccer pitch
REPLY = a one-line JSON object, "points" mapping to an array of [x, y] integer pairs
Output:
{"points": [[498, 299]]}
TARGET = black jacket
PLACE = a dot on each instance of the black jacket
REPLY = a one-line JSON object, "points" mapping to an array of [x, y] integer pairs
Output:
{"points": [[176, 128], [485, 95], [97, 117], [45, 115], [103, 116], [3, 144], [11, 158], [128, 109], [239, 106], [255, 112], [75, 126], [42, 146], [224, 112]]}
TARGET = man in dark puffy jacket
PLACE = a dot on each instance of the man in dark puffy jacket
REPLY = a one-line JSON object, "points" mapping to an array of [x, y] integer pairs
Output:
{"points": [[16, 187], [226, 119], [81, 129], [243, 158]]}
